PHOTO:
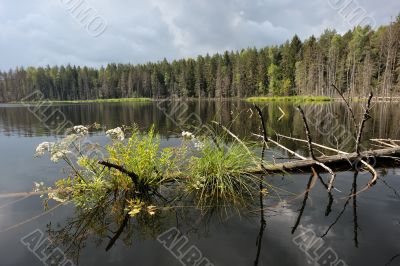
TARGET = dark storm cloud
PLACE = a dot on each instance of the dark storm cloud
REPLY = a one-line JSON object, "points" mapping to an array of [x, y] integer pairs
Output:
{"points": [[37, 32]]}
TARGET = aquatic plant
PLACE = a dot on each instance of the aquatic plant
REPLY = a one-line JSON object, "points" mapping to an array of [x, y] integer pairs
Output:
{"points": [[134, 169], [219, 175]]}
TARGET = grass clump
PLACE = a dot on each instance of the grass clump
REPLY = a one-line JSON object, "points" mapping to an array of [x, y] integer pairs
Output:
{"points": [[290, 99], [219, 175]]}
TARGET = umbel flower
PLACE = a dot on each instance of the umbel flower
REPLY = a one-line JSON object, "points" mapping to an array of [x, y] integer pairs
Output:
{"points": [[82, 130], [187, 135], [57, 151], [59, 154], [116, 133], [43, 147]]}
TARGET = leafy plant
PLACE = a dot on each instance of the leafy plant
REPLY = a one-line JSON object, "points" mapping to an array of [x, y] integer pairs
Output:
{"points": [[219, 174]]}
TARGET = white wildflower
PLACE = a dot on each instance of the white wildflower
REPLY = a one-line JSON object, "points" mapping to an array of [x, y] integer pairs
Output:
{"points": [[198, 145], [68, 140], [43, 147], [187, 135], [82, 130], [38, 187], [57, 155], [116, 133]]}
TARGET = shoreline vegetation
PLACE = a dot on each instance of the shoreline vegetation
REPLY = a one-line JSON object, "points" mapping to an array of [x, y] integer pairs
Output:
{"points": [[111, 100], [290, 99], [257, 99], [355, 62]]}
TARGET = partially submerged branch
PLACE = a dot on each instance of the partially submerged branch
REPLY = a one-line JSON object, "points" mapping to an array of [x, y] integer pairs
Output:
{"points": [[310, 149], [339, 161], [132, 175], [366, 116]]}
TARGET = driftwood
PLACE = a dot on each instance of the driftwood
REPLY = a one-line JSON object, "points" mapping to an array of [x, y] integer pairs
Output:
{"points": [[339, 161]]}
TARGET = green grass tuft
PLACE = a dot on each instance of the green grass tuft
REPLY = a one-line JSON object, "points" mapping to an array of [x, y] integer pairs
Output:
{"points": [[219, 176], [290, 99]]}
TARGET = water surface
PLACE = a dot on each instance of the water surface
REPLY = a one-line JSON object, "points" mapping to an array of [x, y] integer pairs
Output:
{"points": [[366, 233]]}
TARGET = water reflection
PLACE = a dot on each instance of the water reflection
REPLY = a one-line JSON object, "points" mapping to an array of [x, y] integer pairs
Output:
{"points": [[363, 229], [168, 117]]}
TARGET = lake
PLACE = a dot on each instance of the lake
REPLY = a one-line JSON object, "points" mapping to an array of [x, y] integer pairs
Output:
{"points": [[363, 230]]}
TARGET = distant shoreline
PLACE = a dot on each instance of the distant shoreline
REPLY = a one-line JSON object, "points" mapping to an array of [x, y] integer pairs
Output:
{"points": [[256, 99], [112, 100], [290, 99]]}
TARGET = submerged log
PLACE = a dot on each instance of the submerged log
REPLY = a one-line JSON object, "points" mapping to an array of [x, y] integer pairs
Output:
{"points": [[381, 157]]}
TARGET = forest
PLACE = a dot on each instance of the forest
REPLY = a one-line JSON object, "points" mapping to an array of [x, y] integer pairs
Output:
{"points": [[357, 62]]}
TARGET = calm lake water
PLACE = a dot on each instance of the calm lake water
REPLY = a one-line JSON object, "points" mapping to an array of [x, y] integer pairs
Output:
{"points": [[362, 231]]}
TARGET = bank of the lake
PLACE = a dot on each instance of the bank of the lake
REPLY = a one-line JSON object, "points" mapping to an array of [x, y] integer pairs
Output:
{"points": [[290, 99], [112, 100]]}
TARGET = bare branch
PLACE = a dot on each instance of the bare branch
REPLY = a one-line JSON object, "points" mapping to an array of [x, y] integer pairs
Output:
{"points": [[120, 168], [366, 116]]}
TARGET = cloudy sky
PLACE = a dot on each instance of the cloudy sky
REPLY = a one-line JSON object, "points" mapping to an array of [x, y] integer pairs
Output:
{"points": [[41, 32]]}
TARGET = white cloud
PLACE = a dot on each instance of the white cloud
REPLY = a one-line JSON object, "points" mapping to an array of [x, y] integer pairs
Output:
{"points": [[34, 32]]}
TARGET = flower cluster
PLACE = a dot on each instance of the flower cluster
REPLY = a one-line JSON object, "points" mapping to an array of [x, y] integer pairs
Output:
{"points": [[81, 130], [39, 187], [43, 147], [187, 135], [56, 150], [198, 145], [116, 133], [59, 154]]}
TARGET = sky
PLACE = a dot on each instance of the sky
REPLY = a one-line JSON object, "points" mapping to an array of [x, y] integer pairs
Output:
{"points": [[54, 32]]}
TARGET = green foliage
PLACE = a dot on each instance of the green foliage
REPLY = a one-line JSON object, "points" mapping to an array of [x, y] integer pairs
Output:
{"points": [[290, 99], [357, 61], [274, 77], [287, 87], [141, 154], [210, 170], [219, 175], [119, 100]]}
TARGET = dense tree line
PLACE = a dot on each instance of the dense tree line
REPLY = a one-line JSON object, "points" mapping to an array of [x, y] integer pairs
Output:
{"points": [[358, 61]]}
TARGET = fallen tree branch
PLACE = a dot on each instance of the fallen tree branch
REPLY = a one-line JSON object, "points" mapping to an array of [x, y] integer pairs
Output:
{"points": [[309, 141], [264, 130], [334, 161], [310, 149], [132, 175], [384, 143], [366, 116], [282, 147], [313, 143], [233, 136], [370, 168]]}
